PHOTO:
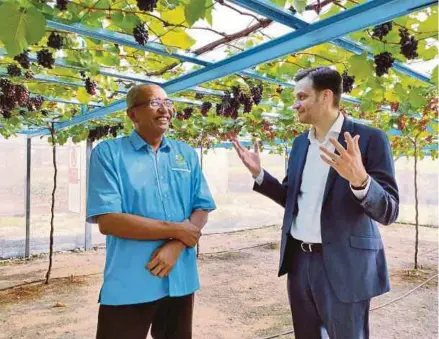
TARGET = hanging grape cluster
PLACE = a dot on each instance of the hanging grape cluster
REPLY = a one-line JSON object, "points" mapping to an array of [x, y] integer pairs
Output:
{"points": [[267, 129], [279, 89], [90, 86], [14, 71], [409, 45], [257, 93], [147, 5], [104, 131], [23, 59], [45, 58], [348, 82], [383, 62], [62, 4], [55, 41], [205, 107], [380, 31], [231, 102], [13, 96], [140, 34]]}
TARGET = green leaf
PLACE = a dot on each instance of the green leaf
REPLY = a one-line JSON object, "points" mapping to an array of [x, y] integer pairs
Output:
{"points": [[175, 16], [280, 3], [83, 96], [194, 10], [20, 27], [429, 25], [209, 9], [299, 5], [434, 76], [361, 67], [178, 38]]}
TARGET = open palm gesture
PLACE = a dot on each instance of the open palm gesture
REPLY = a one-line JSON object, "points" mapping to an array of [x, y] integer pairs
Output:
{"points": [[251, 160]]}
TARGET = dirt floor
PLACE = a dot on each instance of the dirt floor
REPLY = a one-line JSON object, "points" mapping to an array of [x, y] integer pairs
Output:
{"points": [[241, 296]]}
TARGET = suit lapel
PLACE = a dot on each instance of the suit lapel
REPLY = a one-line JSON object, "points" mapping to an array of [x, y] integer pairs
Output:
{"points": [[347, 127], [297, 170]]}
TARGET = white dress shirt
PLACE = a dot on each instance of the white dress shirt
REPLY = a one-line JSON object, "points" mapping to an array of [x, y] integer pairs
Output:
{"points": [[306, 225]]}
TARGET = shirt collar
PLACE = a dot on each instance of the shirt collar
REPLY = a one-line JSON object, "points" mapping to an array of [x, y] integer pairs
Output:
{"points": [[138, 142], [333, 131]]}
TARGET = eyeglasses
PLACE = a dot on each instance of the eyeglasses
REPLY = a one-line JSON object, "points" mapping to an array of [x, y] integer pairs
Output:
{"points": [[156, 103]]}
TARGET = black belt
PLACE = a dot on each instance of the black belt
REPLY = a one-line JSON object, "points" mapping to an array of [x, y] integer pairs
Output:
{"points": [[307, 247]]}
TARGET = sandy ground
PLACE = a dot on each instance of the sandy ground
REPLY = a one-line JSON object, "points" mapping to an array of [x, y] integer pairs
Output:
{"points": [[241, 296]]}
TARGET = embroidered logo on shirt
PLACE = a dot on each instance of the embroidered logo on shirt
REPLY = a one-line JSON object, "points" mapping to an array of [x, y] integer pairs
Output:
{"points": [[179, 159]]}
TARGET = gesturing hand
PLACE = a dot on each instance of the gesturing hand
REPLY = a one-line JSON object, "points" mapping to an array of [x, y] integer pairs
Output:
{"points": [[251, 160], [348, 164]]}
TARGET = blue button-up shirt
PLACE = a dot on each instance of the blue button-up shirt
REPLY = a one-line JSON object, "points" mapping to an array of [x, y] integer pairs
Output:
{"points": [[127, 176]]}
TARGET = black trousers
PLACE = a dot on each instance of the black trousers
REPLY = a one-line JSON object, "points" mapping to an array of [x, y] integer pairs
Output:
{"points": [[168, 318], [317, 313]]}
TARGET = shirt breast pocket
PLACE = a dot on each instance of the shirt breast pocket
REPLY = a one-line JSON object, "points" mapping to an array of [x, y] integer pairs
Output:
{"points": [[181, 174]]}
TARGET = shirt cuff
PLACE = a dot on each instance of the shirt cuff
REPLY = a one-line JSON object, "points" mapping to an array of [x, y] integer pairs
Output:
{"points": [[260, 178], [360, 194]]}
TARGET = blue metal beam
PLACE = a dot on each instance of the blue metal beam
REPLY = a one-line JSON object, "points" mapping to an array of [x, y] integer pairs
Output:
{"points": [[127, 40], [271, 11], [357, 18]]}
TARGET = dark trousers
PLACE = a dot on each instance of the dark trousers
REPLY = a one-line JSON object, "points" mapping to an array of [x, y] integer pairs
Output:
{"points": [[317, 313], [169, 318]]}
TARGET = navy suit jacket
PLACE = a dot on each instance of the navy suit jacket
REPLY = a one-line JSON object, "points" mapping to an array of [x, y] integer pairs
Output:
{"points": [[353, 251]]}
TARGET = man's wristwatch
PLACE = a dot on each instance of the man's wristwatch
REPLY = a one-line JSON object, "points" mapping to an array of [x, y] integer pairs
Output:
{"points": [[362, 186]]}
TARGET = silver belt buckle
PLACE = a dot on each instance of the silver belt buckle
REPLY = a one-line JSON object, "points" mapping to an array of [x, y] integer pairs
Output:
{"points": [[303, 247]]}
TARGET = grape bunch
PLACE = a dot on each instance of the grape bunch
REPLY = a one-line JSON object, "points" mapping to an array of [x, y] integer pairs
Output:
{"points": [[6, 105], [62, 4], [348, 82], [401, 122], [187, 113], [257, 93], [115, 129], [179, 115], [55, 41], [104, 131], [21, 95], [13, 95], [147, 5], [90, 86], [199, 96], [229, 106], [14, 70], [380, 31], [279, 89], [35, 103], [7, 98], [409, 45], [140, 34], [383, 62], [423, 124], [29, 75], [248, 104], [23, 59], [268, 130], [231, 102], [45, 58], [205, 107], [7, 88]]}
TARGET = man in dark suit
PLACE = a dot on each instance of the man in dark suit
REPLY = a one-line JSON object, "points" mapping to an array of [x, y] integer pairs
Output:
{"points": [[340, 182]]}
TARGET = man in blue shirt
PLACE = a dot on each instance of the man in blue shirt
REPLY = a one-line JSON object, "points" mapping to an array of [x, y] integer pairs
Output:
{"points": [[149, 196]]}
